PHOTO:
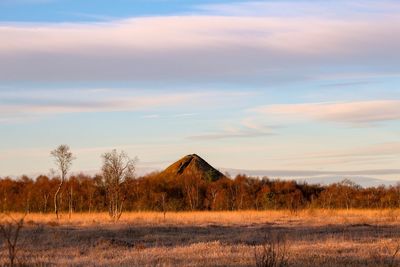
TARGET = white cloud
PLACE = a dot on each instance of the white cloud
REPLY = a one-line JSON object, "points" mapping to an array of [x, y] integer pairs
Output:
{"points": [[362, 112]]}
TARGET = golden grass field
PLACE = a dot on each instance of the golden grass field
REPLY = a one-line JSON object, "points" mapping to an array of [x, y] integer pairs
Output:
{"points": [[311, 238]]}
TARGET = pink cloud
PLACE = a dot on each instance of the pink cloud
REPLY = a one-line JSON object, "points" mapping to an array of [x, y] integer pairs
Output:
{"points": [[198, 46], [348, 112]]}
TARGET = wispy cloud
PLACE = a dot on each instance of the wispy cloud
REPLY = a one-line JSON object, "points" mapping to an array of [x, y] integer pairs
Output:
{"points": [[376, 150], [151, 116], [362, 112], [290, 8], [159, 116], [380, 154], [348, 84], [246, 128], [228, 135], [21, 107], [203, 48]]}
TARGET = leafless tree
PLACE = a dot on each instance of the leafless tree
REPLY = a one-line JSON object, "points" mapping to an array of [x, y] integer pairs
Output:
{"points": [[63, 159], [10, 230], [117, 168]]}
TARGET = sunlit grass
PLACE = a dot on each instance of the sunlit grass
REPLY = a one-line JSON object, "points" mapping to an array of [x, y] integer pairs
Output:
{"points": [[307, 216], [315, 237]]}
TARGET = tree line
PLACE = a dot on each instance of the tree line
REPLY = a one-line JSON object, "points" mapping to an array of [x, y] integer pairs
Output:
{"points": [[116, 189], [154, 192]]}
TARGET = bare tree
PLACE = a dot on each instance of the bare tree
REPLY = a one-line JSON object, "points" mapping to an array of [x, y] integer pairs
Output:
{"points": [[117, 168], [63, 159]]}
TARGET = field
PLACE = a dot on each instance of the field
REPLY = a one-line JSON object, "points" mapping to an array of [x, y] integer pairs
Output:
{"points": [[307, 238]]}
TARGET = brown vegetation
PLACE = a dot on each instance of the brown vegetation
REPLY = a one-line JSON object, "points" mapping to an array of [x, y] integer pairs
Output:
{"points": [[189, 184], [206, 219], [156, 192], [312, 238]]}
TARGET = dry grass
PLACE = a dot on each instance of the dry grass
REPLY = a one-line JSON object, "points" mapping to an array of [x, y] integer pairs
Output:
{"points": [[309, 217], [316, 237]]}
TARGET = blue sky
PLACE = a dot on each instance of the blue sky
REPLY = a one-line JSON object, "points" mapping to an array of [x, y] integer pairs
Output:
{"points": [[251, 85]]}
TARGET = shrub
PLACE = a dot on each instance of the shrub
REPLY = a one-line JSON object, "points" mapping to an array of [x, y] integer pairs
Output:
{"points": [[273, 252]]}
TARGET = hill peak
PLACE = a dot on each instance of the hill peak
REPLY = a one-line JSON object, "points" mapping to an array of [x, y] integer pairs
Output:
{"points": [[191, 165]]}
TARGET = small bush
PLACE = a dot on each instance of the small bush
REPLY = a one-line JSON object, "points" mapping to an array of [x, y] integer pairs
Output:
{"points": [[273, 252]]}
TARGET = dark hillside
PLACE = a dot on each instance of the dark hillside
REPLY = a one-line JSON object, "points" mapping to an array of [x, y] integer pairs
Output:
{"points": [[192, 165]]}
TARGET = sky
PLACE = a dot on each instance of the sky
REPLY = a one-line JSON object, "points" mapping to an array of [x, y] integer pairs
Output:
{"points": [[277, 87]]}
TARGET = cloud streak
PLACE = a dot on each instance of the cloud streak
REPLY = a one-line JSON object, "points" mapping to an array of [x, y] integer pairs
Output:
{"points": [[230, 134], [195, 48], [381, 154], [21, 107], [246, 128], [290, 8], [362, 112]]}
